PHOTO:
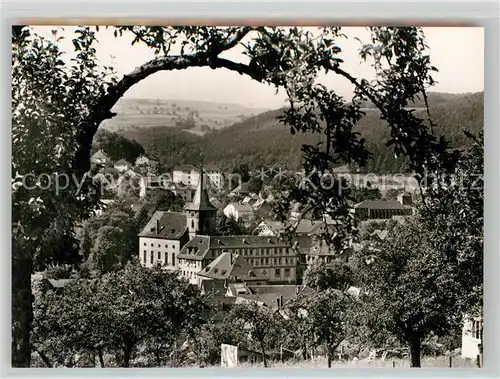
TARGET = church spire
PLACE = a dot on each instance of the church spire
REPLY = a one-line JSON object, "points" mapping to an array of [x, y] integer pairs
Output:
{"points": [[201, 200]]}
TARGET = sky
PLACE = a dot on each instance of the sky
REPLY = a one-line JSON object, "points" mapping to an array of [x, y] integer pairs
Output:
{"points": [[457, 52]]}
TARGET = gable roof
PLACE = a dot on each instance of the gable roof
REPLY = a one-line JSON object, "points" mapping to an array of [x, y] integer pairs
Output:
{"points": [[211, 167], [172, 225], [99, 155], [232, 266], [198, 247], [273, 226], [269, 294], [380, 204], [215, 287], [122, 162], [245, 208], [185, 167]]}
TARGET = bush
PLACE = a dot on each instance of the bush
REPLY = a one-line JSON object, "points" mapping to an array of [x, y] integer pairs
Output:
{"points": [[59, 272]]}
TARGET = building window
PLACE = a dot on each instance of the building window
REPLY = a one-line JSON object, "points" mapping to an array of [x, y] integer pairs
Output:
{"points": [[173, 259], [166, 259], [159, 255], [476, 330], [159, 245], [144, 257], [287, 272], [192, 223], [144, 243], [152, 245], [152, 257], [277, 272]]}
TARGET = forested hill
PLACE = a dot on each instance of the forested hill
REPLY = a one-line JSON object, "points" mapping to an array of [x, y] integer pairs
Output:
{"points": [[261, 140]]}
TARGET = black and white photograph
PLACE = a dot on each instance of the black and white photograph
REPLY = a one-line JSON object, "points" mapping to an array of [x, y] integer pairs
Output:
{"points": [[255, 197]]}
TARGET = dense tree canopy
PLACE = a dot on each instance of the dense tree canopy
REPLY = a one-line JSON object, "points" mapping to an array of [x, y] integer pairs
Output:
{"points": [[116, 314]]}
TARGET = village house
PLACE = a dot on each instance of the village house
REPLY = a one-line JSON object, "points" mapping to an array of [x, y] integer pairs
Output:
{"points": [[141, 160], [190, 175], [305, 231], [162, 239], [384, 209], [270, 257], [122, 165], [472, 335], [185, 192], [99, 157], [230, 268], [238, 211]]}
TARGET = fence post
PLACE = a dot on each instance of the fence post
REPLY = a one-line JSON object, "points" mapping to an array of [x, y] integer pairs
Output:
{"points": [[451, 358]]}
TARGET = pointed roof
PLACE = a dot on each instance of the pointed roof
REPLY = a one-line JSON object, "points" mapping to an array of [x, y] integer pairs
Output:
{"points": [[123, 162], [229, 266], [100, 155], [200, 201]]}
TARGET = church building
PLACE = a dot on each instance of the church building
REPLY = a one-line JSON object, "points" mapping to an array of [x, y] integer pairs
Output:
{"points": [[187, 242]]}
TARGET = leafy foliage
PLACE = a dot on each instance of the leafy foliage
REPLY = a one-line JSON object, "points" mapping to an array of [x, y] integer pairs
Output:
{"points": [[116, 313], [116, 146], [410, 289]]}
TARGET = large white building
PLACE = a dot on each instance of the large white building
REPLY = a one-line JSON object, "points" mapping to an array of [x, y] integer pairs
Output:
{"points": [[238, 211], [162, 239], [190, 238], [190, 175]]}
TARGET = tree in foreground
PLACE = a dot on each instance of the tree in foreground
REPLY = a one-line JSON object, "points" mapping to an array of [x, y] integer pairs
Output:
{"points": [[410, 290], [261, 322], [117, 314]]}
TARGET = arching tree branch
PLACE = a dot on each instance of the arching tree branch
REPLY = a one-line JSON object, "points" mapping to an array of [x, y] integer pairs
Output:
{"points": [[102, 110]]}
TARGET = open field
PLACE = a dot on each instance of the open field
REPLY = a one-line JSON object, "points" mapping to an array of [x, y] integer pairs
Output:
{"points": [[195, 116]]}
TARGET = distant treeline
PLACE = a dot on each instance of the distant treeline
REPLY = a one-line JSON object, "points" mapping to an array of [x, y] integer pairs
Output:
{"points": [[262, 141]]}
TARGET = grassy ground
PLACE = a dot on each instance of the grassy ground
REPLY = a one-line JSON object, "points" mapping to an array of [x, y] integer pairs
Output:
{"points": [[427, 362]]}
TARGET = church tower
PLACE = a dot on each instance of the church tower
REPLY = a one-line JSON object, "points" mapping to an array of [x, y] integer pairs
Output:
{"points": [[200, 214]]}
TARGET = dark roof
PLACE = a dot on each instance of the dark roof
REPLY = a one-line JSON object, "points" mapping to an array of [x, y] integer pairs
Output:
{"points": [[214, 287], [172, 225], [100, 154], [185, 167], [227, 266], [211, 167], [195, 249], [269, 294], [242, 189], [200, 201], [199, 246], [381, 204]]}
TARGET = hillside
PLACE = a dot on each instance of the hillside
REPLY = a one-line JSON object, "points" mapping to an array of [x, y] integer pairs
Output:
{"points": [[262, 141], [197, 117]]}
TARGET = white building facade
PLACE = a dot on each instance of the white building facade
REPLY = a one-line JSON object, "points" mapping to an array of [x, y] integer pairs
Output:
{"points": [[190, 175]]}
